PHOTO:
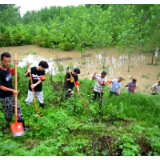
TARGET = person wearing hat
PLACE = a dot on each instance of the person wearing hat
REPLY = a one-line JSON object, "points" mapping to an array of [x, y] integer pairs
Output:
{"points": [[155, 88], [132, 86], [70, 78], [100, 83]]}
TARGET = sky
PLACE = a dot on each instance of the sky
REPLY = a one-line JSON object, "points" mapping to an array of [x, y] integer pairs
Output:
{"points": [[25, 7]]}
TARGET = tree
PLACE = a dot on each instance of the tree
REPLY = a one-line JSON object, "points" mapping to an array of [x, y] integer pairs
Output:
{"points": [[129, 35], [151, 30]]}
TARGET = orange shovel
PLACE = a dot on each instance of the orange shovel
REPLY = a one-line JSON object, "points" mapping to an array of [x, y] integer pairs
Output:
{"points": [[33, 92], [17, 127]]}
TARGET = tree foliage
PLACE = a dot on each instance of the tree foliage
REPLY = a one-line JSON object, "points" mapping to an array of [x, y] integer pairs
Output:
{"points": [[90, 25]]}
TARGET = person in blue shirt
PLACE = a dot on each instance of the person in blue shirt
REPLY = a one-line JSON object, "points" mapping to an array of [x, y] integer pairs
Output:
{"points": [[116, 86], [132, 86]]}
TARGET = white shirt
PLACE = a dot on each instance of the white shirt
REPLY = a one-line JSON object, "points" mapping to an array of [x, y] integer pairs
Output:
{"points": [[98, 87], [156, 88]]}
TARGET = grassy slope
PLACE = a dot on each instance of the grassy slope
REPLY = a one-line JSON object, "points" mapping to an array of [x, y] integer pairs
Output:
{"points": [[123, 126]]}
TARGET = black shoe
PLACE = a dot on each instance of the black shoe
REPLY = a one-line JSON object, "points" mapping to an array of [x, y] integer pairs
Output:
{"points": [[41, 104], [25, 129], [66, 95]]}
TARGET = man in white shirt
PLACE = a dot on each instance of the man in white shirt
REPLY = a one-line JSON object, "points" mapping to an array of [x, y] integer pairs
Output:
{"points": [[155, 88], [100, 83]]}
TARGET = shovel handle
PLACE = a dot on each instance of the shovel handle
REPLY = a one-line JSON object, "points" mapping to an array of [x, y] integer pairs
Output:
{"points": [[131, 88], [15, 89], [117, 93], [33, 91]]}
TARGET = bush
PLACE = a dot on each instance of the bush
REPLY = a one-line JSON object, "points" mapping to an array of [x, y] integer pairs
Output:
{"points": [[66, 46], [5, 39], [18, 39]]}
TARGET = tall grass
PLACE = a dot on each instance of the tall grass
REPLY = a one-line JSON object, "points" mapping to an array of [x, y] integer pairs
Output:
{"points": [[66, 128]]}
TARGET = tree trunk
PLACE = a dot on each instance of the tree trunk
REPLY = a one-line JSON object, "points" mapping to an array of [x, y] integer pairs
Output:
{"points": [[129, 62], [153, 56]]}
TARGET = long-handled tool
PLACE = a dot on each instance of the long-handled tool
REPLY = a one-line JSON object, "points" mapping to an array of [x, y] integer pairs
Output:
{"points": [[130, 88], [33, 92], [77, 90], [118, 94], [17, 127], [99, 92]]}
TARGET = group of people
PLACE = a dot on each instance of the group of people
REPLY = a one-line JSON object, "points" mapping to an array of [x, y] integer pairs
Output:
{"points": [[7, 93], [99, 85], [71, 79]]}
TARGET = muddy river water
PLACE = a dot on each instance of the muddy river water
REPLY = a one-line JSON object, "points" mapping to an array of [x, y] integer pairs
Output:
{"points": [[116, 64]]}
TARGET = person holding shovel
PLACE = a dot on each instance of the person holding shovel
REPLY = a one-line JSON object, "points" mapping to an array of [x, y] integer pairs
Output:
{"points": [[132, 86], [116, 86], [155, 88], [100, 83], [7, 93], [71, 78], [38, 75]]}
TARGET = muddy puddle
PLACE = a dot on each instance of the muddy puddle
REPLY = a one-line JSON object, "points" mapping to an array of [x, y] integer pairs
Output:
{"points": [[115, 63]]}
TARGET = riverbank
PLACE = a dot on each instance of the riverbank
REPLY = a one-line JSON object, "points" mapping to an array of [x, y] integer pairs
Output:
{"points": [[122, 126]]}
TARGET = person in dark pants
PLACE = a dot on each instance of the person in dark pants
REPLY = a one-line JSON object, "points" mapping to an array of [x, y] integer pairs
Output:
{"points": [[69, 82], [7, 93], [116, 86], [100, 83]]}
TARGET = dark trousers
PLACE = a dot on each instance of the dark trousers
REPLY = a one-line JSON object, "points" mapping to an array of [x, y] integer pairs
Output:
{"points": [[8, 104], [111, 93], [97, 93]]}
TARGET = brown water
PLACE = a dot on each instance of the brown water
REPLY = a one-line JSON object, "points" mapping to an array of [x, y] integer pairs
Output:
{"points": [[117, 63]]}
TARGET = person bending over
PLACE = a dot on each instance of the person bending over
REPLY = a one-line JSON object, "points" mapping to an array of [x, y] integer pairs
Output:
{"points": [[38, 75], [70, 79], [116, 86], [132, 86], [155, 88]]}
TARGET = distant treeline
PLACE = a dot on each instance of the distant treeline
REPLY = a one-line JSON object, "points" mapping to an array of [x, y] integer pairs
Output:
{"points": [[81, 27]]}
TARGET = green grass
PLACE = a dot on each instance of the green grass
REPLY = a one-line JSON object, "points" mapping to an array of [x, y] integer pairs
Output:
{"points": [[65, 129], [147, 86], [31, 52], [145, 76], [131, 77], [158, 74]]}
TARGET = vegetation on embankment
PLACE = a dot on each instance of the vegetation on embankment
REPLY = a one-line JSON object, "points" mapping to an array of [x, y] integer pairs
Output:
{"points": [[122, 126]]}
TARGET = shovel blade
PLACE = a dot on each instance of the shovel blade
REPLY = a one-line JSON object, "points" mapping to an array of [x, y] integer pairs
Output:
{"points": [[17, 129]]}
